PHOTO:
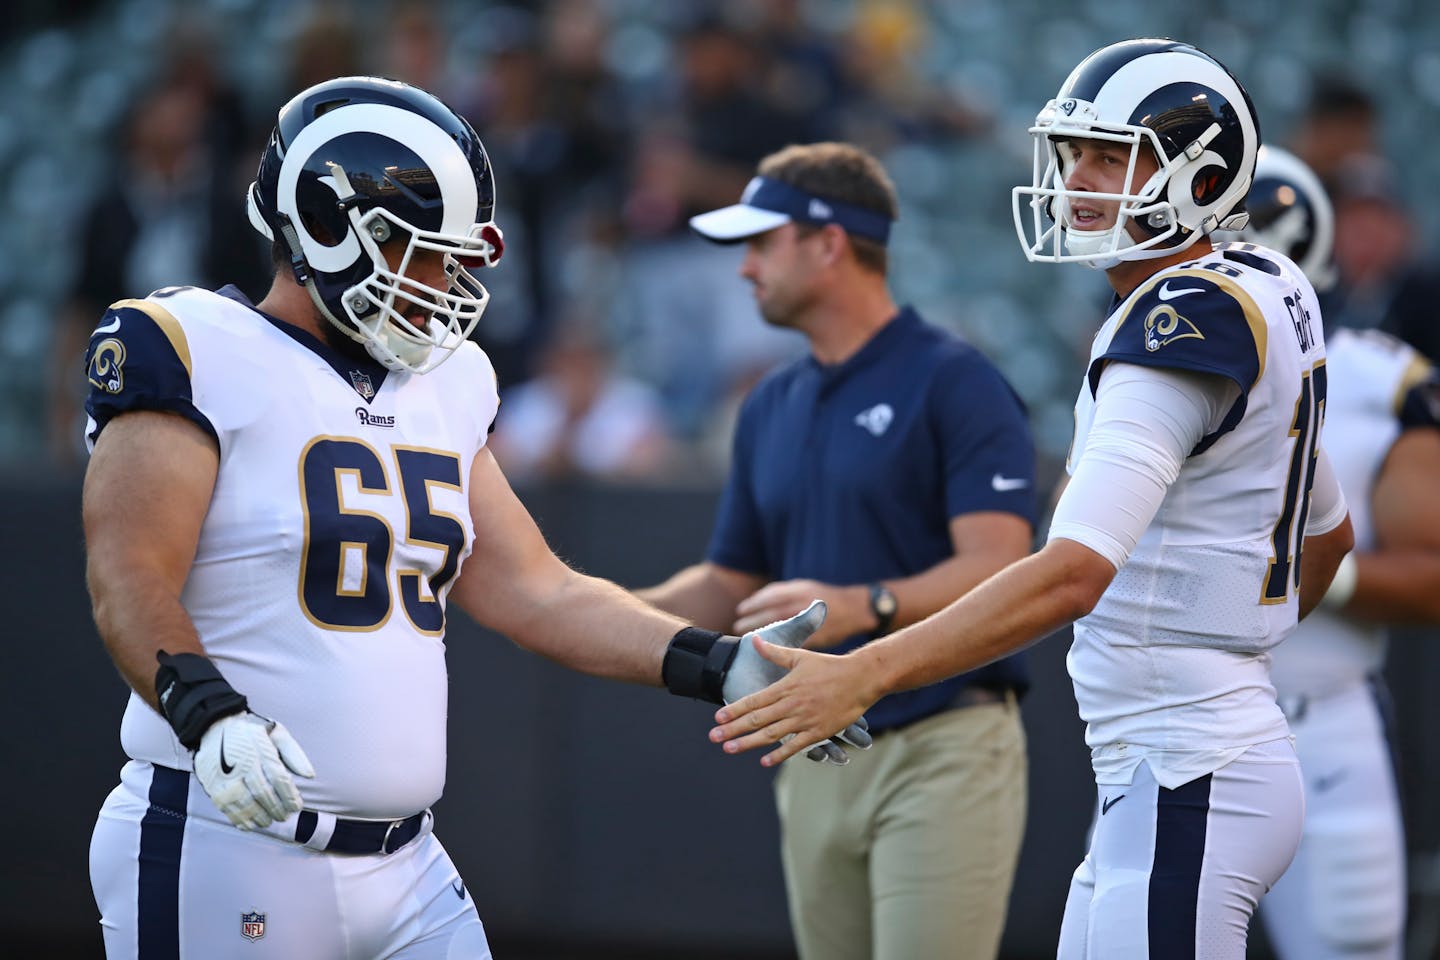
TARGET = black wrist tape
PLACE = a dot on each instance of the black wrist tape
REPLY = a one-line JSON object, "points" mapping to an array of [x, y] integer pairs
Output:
{"points": [[193, 695], [695, 663]]}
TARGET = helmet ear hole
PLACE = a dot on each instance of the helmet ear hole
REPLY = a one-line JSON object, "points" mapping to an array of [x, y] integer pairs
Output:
{"points": [[1205, 188]]}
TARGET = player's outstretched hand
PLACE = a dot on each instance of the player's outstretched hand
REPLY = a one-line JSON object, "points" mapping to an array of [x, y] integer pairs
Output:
{"points": [[814, 693], [245, 762], [750, 673]]}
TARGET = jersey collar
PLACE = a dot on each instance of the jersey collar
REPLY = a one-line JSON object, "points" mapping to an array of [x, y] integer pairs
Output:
{"points": [[365, 374]]}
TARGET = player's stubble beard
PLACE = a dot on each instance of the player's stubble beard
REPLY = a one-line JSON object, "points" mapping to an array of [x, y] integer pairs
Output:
{"points": [[337, 340]]}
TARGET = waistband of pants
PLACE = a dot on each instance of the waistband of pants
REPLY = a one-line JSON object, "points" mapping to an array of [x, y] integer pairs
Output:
{"points": [[970, 695], [976, 695], [328, 833]]}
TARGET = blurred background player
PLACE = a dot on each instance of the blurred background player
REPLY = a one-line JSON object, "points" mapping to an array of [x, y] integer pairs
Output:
{"points": [[886, 472], [1344, 895], [285, 495], [1196, 479]]}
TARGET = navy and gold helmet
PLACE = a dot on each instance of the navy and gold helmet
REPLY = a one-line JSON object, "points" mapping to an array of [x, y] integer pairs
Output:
{"points": [[1168, 96], [357, 162]]}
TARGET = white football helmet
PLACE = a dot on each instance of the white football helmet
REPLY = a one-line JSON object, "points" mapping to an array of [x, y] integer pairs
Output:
{"points": [[359, 161], [1167, 96], [1290, 212]]}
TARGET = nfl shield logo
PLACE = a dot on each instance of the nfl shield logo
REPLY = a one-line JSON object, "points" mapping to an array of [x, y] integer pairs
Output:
{"points": [[252, 925], [362, 383]]}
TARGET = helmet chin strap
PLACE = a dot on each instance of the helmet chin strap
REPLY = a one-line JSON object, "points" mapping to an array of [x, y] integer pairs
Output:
{"points": [[1089, 243], [306, 279]]}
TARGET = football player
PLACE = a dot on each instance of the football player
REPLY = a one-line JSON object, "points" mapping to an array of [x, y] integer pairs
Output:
{"points": [[281, 499], [1198, 494], [1344, 895]]}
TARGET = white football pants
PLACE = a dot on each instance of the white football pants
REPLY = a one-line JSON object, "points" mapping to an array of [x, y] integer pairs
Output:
{"points": [[1344, 896], [1176, 874], [174, 880]]}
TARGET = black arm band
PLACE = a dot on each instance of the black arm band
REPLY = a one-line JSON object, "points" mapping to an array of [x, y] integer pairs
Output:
{"points": [[193, 695], [695, 663]]}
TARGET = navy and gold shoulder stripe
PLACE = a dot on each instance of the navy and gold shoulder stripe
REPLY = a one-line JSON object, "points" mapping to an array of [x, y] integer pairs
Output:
{"points": [[1197, 319], [1417, 401], [139, 359], [1192, 319]]}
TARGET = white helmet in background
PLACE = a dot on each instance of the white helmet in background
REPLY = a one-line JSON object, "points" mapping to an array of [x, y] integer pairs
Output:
{"points": [[1290, 212]]}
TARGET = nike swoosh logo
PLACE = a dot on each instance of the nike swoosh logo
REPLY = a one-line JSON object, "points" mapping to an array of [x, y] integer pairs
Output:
{"points": [[1004, 484], [225, 768], [110, 327], [1165, 293], [1105, 807], [459, 887]]}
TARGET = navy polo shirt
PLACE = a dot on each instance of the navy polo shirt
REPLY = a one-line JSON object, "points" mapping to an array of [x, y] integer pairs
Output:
{"points": [[851, 473]]}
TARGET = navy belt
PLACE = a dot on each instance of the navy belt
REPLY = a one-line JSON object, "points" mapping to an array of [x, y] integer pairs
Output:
{"points": [[362, 836]]}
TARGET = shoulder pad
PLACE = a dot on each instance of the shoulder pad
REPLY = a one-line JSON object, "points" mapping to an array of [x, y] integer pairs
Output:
{"points": [[1191, 319], [1252, 257], [1418, 402], [138, 358]]}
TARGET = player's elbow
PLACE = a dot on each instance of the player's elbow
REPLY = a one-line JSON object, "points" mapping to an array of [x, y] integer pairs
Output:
{"points": [[1085, 592], [1344, 537], [1084, 577]]}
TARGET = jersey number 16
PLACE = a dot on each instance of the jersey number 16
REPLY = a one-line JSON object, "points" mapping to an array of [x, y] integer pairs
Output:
{"points": [[1288, 537]]}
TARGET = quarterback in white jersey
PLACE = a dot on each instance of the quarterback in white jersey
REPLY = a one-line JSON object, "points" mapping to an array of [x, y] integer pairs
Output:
{"points": [[1344, 895], [281, 499], [1199, 493]]}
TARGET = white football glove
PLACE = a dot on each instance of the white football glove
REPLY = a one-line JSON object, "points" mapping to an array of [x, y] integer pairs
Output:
{"points": [[244, 762], [751, 672]]}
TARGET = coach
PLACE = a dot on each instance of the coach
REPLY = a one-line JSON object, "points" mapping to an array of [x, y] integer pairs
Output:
{"points": [[887, 473]]}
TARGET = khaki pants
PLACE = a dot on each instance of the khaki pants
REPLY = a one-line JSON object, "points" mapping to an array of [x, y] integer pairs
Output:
{"points": [[907, 852]]}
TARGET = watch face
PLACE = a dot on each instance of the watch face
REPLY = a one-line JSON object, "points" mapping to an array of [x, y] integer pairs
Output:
{"points": [[883, 601]]}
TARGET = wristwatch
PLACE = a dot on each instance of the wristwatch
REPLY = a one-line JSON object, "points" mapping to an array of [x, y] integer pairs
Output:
{"points": [[883, 605]]}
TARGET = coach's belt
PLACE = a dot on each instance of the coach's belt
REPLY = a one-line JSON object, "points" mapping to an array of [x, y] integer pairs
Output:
{"points": [[331, 834], [977, 695]]}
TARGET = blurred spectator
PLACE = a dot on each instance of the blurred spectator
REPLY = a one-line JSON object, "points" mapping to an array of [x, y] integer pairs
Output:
{"points": [[170, 213], [1340, 122], [890, 101], [415, 48], [806, 74], [551, 125], [1383, 280], [729, 123], [325, 46], [688, 328], [578, 418]]}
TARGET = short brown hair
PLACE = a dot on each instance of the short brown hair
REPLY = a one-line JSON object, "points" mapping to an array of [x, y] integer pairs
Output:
{"points": [[846, 174]]}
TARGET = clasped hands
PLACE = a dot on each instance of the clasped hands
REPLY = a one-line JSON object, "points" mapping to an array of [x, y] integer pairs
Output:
{"points": [[767, 701]]}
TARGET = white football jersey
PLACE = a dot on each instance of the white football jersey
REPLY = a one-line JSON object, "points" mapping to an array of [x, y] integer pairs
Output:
{"points": [[1370, 375], [339, 521], [1172, 663]]}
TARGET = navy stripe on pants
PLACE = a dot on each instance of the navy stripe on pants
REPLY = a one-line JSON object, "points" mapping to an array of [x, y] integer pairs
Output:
{"points": [[162, 832], [1180, 820]]}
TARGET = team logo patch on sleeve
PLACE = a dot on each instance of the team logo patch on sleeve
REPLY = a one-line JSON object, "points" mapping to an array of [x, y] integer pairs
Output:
{"points": [[107, 366], [252, 925], [1164, 325]]}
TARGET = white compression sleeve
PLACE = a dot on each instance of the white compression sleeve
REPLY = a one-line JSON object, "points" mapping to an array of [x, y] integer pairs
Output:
{"points": [[1146, 422], [1327, 501]]}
